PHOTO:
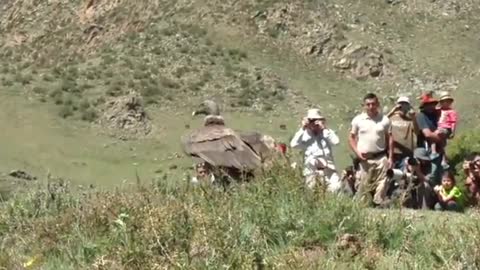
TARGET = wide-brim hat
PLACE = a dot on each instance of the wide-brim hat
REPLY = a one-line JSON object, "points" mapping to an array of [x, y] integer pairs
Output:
{"points": [[421, 153], [403, 99], [314, 114], [445, 96]]}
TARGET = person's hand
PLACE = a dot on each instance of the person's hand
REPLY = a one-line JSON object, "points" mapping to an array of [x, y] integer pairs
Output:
{"points": [[305, 123], [437, 188], [320, 124], [390, 163], [466, 165], [320, 165], [361, 156]]}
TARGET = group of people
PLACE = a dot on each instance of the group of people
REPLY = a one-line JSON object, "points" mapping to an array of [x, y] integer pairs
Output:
{"points": [[400, 154]]}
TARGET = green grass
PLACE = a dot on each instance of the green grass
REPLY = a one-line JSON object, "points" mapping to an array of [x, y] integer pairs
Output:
{"points": [[272, 223], [51, 94]]}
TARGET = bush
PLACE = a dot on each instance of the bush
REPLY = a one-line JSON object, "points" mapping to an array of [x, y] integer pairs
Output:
{"points": [[89, 115], [461, 146], [65, 111]]}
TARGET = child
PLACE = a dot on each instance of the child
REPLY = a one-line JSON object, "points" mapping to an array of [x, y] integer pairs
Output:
{"points": [[447, 122], [450, 197]]}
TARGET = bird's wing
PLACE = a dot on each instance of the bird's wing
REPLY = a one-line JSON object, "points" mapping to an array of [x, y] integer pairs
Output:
{"points": [[254, 140], [220, 146]]}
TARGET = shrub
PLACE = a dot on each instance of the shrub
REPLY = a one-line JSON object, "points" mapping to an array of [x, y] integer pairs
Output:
{"points": [[461, 146], [65, 111], [89, 115]]}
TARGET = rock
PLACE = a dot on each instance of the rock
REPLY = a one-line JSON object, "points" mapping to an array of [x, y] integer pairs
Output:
{"points": [[125, 117], [22, 175], [283, 126], [349, 243], [343, 63]]}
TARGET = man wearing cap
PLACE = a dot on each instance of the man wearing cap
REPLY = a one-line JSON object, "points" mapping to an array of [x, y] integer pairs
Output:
{"points": [[427, 123], [403, 129], [316, 141], [370, 140]]}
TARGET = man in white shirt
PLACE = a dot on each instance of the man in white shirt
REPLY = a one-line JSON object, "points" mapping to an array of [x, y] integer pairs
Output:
{"points": [[316, 140], [371, 141]]}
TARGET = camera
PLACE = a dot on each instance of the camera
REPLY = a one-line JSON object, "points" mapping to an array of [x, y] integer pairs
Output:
{"points": [[396, 174], [412, 161]]}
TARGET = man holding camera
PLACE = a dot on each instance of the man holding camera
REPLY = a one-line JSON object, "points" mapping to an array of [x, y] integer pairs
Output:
{"points": [[413, 181], [316, 140], [371, 141], [471, 168]]}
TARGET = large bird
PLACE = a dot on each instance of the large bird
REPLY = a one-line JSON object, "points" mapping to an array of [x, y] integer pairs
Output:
{"points": [[220, 146]]}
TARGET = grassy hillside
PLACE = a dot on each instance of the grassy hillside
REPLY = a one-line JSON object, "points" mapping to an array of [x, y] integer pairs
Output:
{"points": [[270, 224], [66, 62], [98, 92]]}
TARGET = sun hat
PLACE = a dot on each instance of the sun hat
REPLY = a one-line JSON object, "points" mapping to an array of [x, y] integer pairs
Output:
{"points": [[314, 114], [445, 95], [403, 99], [421, 153]]}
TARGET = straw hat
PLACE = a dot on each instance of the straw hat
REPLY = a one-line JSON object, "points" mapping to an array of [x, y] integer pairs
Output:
{"points": [[444, 95], [314, 114]]}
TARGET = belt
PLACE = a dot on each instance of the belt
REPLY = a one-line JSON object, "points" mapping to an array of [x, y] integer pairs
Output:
{"points": [[375, 155]]}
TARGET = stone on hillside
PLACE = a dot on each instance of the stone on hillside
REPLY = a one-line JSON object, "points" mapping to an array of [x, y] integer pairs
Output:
{"points": [[363, 61], [125, 117], [22, 175]]}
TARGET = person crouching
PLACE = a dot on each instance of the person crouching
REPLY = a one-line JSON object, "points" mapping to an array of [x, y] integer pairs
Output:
{"points": [[450, 197]]}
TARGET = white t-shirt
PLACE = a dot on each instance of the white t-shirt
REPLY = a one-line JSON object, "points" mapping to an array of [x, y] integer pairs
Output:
{"points": [[371, 132]]}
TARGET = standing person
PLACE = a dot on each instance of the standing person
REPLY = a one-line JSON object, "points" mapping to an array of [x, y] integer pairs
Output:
{"points": [[370, 140], [403, 130], [427, 123], [316, 140]]}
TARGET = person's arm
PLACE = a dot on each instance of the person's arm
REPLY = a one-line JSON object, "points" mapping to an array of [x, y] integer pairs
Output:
{"points": [[331, 137], [425, 130], [389, 139], [455, 193], [393, 110], [418, 173], [454, 120], [297, 140], [352, 140]]}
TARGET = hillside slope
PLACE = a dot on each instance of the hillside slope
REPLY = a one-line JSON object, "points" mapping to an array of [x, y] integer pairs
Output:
{"points": [[72, 62]]}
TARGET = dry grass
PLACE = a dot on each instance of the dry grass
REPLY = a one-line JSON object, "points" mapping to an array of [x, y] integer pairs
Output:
{"points": [[272, 223]]}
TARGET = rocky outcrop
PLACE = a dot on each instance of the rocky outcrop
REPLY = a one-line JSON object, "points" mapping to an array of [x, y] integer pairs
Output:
{"points": [[125, 117]]}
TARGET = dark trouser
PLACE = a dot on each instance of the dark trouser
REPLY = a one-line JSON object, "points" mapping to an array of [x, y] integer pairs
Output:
{"points": [[420, 196], [448, 206]]}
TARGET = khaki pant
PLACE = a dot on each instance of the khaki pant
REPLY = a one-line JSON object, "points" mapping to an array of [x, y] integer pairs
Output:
{"points": [[373, 180], [328, 177]]}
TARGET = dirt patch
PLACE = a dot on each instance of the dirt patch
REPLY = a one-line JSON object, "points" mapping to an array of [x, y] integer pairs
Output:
{"points": [[125, 118]]}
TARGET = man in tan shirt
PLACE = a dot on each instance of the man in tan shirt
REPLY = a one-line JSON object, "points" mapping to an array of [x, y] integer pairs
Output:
{"points": [[371, 141], [403, 129]]}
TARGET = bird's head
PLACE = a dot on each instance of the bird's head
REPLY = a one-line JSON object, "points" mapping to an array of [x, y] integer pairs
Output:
{"points": [[207, 107]]}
